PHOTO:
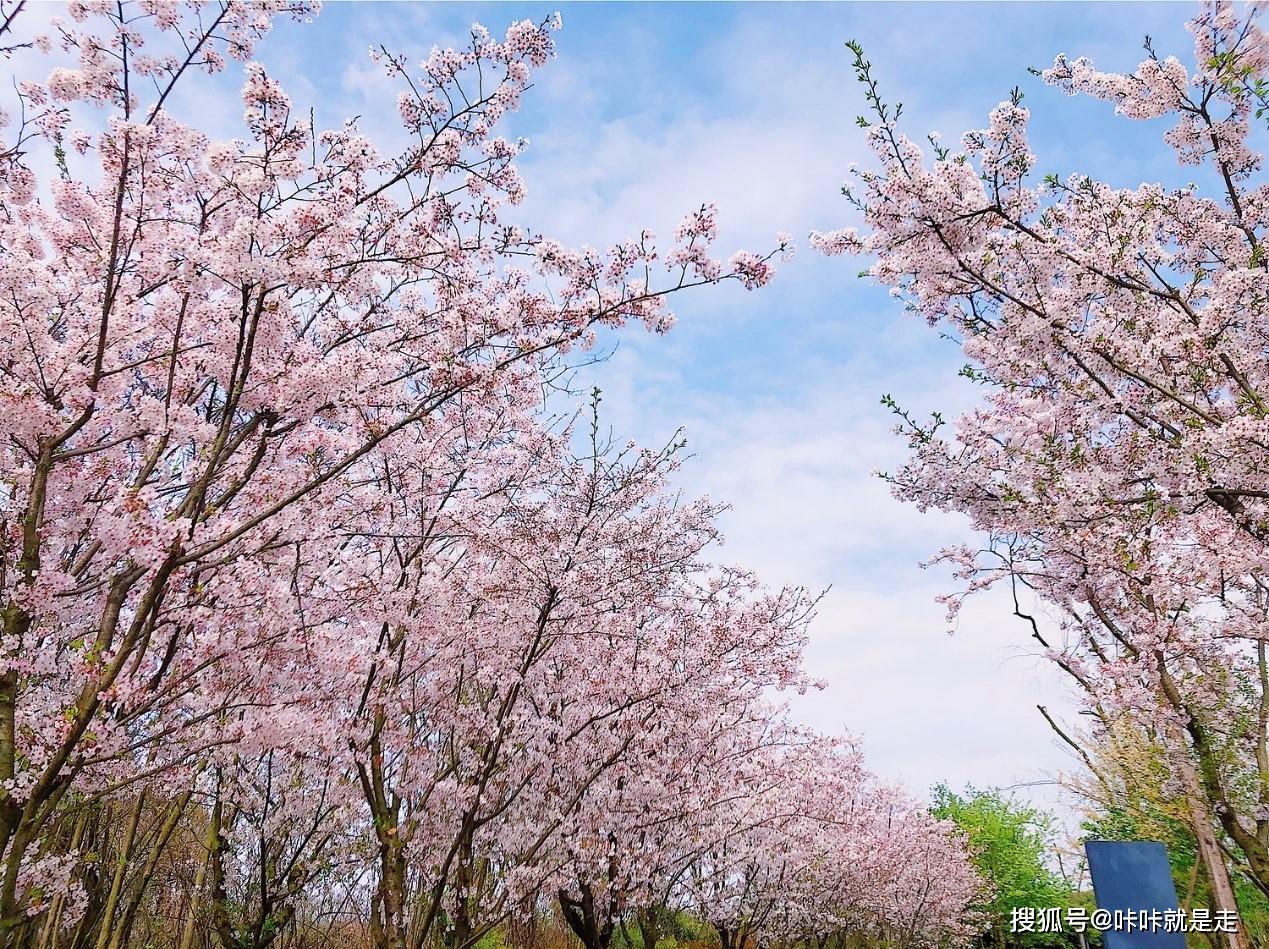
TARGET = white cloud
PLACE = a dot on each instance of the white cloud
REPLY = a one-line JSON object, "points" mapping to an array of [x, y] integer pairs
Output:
{"points": [[778, 393], [778, 390], [807, 510]]}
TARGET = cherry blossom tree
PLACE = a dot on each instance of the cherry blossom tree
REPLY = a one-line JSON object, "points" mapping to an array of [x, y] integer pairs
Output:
{"points": [[1115, 462], [218, 357], [821, 849], [312, 617], [546, 644]]}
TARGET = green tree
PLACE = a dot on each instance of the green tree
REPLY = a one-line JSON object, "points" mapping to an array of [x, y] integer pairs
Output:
{"points": [[1138, 820], [1008, 841]]}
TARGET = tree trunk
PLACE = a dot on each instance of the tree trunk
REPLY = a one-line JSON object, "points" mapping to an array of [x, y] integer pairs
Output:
{"points": [[196, 894], [119, 938], [121, 869], [649, 919], [1209, 850], [391, 896], [460, 933], [584, 921]]}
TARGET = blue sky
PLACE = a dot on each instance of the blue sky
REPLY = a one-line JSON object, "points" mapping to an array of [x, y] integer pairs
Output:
{"points": [[651, 109]]}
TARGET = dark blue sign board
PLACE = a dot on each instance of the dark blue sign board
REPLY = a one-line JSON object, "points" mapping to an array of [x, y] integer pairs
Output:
{"points": [[1132, 877]]}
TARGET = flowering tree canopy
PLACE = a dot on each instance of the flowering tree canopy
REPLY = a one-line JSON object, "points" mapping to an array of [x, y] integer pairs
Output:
{"points": [[305, 604], [1116, 460]]}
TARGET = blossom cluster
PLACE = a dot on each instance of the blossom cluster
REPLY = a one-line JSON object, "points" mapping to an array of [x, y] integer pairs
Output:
{"points": [[296, 575], [1116, 460]]}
